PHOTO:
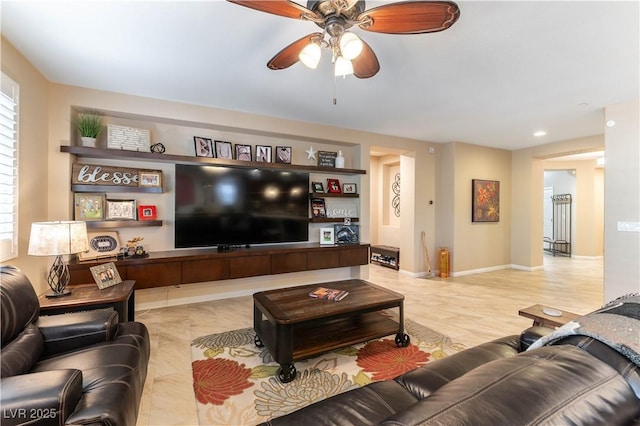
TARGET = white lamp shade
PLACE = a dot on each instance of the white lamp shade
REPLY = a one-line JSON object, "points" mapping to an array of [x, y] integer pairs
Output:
{"points": [[57, 238], [343, 67], [350, 45], [310, 55]]}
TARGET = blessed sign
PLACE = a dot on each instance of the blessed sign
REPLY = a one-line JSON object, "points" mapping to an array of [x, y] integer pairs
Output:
{"points": [[91, 174]]}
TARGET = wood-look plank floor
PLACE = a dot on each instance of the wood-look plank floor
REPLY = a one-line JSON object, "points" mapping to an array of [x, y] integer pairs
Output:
{"points": [[471, 309]]}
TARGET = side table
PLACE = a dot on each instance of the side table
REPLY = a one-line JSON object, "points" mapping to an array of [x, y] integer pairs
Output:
{"points": [[120, 297], [536, 313]]}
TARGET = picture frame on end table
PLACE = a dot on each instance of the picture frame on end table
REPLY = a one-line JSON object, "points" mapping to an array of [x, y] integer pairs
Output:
{"points": [[105, 275], [203, 147]]}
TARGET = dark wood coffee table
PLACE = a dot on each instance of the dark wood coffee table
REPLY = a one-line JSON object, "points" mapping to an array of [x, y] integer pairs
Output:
{"points": [[294, 326]]}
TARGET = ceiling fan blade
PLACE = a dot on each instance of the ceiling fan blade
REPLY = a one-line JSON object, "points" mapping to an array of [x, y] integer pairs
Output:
{"points": [[366, 64], [411, 17], [289, 55], [284, 8]]}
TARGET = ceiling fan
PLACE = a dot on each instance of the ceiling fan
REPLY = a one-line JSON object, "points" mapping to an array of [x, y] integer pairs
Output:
{"points": [[350, 54]]}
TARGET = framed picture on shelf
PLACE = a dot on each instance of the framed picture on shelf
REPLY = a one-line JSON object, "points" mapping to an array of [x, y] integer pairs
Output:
{"points": [[105, 275], [317, 186], [333, 186], [263, 154], [150, 179], [243, 152], [346, 234], [88, 206], [326, 236], [101, 244], [147, 213], [283, 154], [203, 146], [318, 208], [121, 210], [349, 188], [224, 150]]}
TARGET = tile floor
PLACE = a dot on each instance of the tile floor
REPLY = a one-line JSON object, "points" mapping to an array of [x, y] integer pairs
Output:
{"points": [[471, 309]]}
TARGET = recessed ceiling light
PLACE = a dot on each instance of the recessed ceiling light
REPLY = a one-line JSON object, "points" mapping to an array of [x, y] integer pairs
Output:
{"points": [[611, 123], [539, 133]]}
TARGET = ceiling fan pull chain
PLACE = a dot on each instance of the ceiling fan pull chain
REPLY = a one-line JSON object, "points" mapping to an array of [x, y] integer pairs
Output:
{"points": [[335, 96]]}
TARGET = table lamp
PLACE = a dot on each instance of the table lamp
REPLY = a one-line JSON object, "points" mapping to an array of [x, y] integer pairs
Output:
{"points": [[56, 239]]}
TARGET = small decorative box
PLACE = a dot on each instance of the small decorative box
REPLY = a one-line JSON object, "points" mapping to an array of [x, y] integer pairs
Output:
{"points": [[129, 138]]}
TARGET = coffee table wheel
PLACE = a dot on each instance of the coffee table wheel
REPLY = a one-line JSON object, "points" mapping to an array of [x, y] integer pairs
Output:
{"points": [[258, 342], [286, 373], [402, 340]]}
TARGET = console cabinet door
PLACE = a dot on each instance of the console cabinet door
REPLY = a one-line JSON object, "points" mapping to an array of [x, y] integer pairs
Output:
{"points": [[355, 256], [155, 274], [288, 262], [323, 259], [198, 271], [249, 266]]}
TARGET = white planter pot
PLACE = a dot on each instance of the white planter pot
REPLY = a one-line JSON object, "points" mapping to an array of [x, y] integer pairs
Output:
{"points": [[86, 141]]}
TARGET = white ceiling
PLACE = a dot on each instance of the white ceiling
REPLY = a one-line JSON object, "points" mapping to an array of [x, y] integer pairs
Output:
{"points": [[502, 72]]}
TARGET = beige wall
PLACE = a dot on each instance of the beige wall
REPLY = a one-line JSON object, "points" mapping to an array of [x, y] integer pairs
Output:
{"points": [[622, 202], [480, 246], [33, 168]]}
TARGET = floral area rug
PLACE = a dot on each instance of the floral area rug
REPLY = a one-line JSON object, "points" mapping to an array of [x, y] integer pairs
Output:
{"points": [[235, 382]]}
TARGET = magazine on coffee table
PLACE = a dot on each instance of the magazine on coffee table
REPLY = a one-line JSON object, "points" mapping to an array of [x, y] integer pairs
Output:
{"points": [[329, 294]]}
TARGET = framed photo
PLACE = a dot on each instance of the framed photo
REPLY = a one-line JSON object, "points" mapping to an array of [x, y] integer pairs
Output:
{"points": [[203, 146], [151, 179], [347, 234], [105, 275], [121, 210], [327, 158], [147, 213], [326, 236], [485, 201], [88, 206], [283, 154], [317, 186], [318, 208], [333, 185], [101, 244], [224, 150], [349, 188], [243, 152], [263, 154]]}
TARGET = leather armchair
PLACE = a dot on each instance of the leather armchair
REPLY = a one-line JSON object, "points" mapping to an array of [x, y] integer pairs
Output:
{"points": [[76, 368]]}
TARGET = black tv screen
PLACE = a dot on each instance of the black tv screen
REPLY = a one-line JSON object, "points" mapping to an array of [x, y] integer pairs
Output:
{"points": [[226, 206]]}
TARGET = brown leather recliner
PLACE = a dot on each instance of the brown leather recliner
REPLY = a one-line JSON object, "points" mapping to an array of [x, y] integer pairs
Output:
{"points": [[75, 368]]}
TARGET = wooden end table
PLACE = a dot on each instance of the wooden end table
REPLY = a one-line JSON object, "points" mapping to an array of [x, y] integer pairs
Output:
{"points": [[539, 318], [293, 325], [120, 297]]}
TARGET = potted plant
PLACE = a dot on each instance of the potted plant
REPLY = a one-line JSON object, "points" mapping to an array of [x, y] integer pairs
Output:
{"points": [[89, 126]]}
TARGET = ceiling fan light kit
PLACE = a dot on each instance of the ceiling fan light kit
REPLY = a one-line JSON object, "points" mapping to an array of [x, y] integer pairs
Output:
{"points": [[349, 53]]}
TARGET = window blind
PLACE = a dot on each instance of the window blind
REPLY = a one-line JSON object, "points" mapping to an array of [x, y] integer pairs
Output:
{"points": [[8, 169]]}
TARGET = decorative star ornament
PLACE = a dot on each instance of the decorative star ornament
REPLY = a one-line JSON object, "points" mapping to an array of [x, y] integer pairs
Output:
{"points": [[311, 154]]}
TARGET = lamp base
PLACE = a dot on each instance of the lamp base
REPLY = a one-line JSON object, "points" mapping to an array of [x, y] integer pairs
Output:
{"points": [[64, 293]]}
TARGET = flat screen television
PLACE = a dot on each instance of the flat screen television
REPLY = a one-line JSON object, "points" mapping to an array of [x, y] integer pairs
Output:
{"points": [[221, 206]]}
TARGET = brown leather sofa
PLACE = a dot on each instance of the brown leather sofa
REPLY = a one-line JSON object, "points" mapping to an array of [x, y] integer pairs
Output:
{"points": [[76, 368], [576, 380]]}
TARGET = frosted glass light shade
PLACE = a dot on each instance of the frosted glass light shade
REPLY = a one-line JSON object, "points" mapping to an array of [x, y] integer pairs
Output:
{"points": [[57, 238], [343, 67], [350, 45], [310, 55]]}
